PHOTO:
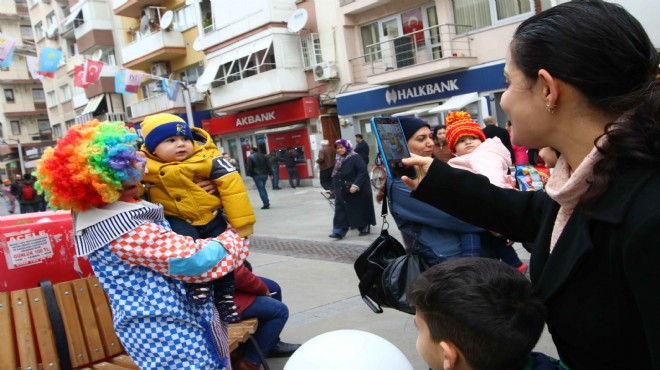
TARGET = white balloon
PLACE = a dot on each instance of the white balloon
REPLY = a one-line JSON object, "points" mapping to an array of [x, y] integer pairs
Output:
{"points": [[348, 350]]}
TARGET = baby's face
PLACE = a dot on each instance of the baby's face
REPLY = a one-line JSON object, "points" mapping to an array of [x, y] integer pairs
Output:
{"points": [[174, 149], [466, 145]]}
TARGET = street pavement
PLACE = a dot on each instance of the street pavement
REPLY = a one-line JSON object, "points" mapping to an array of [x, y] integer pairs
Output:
{"points": [[291, 246]]}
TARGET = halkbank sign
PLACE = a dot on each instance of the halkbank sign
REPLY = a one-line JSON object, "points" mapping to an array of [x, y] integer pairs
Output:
{"points": [[422, 91]]}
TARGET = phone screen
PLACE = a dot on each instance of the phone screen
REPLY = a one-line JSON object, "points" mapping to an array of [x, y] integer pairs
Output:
{"points": [[392, 146]]}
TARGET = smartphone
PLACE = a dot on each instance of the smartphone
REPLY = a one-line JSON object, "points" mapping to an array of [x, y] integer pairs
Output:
{"points": [[392, 146]]}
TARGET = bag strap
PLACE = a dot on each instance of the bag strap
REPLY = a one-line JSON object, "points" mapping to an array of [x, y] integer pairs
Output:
{"points": [[58, 325]]}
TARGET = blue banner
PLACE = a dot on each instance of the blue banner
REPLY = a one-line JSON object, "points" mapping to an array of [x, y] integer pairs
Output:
{"points": [[422, 91], [120, 83], [49, 60], [7, 62]]}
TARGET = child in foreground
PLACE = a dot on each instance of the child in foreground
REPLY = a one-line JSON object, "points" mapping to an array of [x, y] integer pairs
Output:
{"points": [[478, 313], [94, 171], [175, 164], [488, 157]]}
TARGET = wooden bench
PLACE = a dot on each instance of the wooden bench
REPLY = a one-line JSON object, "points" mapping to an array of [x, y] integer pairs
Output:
{"points": [[27, 329]]}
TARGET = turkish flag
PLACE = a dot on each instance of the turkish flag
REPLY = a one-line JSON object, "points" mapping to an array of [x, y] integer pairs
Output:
{"points": [[92, 71], [79, 77]]}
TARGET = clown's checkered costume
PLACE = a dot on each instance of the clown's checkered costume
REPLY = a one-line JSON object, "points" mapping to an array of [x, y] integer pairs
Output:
{"points": [[142, 265]]}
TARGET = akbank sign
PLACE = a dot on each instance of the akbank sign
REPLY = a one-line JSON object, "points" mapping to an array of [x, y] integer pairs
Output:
{"points": [[422, 91]]}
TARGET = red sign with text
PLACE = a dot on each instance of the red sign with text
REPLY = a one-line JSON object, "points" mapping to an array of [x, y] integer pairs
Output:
{"points": [[297, 110]]}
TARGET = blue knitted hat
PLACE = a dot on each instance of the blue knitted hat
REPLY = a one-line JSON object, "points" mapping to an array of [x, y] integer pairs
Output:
{"points": [[159, 127]]}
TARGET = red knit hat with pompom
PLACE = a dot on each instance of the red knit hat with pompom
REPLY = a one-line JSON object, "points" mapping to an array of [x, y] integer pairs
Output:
{"points": [[460, 124]]}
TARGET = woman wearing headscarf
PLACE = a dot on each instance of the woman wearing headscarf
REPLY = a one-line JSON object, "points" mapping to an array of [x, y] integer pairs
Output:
{"points": [[354, 207]]}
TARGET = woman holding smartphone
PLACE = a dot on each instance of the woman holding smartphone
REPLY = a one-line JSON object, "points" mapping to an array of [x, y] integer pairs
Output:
{"points": [[433, 233], [593, 95], [354, 204]]}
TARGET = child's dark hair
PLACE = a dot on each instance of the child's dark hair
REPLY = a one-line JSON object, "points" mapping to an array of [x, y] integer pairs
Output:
{"points": [[484, 307]]}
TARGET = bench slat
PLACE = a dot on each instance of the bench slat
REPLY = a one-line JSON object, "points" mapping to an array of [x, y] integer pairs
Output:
{"points": [[107, 366], [88, 320], [125, 361], [111, 344], [43, 329], [8, 347], [26, 347], [74, 333]]}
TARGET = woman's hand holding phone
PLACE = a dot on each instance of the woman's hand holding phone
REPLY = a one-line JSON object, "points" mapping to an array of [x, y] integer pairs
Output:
{"points": [[422, 165]]}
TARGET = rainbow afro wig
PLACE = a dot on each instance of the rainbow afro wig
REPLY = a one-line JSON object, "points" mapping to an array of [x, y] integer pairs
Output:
{"points": [[87, 166]]}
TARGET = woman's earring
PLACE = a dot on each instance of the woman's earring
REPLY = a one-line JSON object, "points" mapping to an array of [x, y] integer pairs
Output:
{"points": [[550, 109]]}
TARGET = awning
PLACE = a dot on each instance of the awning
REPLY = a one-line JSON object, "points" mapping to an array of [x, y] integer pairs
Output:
{"points": [[204, 81], [93, 104], [245, 50], [420, 109], [75, 10], [456, 102]]}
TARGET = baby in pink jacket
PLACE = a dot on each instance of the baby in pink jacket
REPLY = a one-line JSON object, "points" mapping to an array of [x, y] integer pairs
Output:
{"points": [[488, 157]]}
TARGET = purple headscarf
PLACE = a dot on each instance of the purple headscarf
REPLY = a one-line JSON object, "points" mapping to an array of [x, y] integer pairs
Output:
{"points": [[345, 143], [339, 159]]}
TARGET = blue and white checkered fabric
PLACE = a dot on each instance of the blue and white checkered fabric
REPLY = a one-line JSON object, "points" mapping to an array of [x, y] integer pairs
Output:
{"points": [[156, 325]]}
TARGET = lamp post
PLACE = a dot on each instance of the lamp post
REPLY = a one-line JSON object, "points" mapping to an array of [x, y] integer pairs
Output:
{"points": [[20, 153]]}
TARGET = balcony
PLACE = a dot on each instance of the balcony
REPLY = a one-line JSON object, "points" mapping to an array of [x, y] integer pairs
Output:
{"points": [[25, 108], [430, 51], [352, 7], [157, 46], [159, 104], [132, 8]]}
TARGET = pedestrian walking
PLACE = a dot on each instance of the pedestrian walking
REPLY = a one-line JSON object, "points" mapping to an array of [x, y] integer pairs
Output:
{"points": [[361, 148], [275, 167], [259, 169]]}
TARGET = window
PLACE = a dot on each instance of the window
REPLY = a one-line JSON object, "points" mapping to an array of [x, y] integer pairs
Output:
{"points": [[370, 39], [69, 124], [15, 127], [73, 48], [45, 131], [311, 50], [57, 131], [52, 19], [184, 18], [39, 31], [65, 93], [475, 14], [52, 99], [547, 4], [26, 32], [38, 95], [255, 63], [9, 95], [190, 75]]}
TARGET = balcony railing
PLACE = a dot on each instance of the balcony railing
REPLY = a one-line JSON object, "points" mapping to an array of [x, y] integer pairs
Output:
{"points": [[155, 41], [427, 45], [160, 103]]}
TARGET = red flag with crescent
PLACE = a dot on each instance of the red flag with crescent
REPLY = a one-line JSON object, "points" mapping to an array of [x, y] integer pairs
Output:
{"points": [[79, 77], [92, 71]]}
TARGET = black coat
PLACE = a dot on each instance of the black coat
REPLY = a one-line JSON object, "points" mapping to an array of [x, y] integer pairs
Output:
{"points": [[601, 284], [492, 131], [362, 149], [353, 210]]}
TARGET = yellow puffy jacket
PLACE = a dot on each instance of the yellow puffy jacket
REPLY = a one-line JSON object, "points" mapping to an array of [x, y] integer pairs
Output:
{"points": [[174, 185]]}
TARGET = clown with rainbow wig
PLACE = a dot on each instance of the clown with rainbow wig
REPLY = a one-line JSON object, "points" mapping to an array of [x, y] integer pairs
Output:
{"points": [[142, 265]]}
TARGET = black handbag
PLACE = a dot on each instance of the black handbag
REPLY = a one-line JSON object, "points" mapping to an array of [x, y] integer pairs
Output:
{"points": [[398, 275], [380, 283]]}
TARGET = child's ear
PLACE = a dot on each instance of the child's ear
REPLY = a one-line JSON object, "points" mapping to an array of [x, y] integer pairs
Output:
{"points": [[450, 354]]}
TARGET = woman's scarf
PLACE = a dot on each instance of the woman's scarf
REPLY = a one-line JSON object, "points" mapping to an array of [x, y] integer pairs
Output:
{"points": [[339, 159], [566, 188]]}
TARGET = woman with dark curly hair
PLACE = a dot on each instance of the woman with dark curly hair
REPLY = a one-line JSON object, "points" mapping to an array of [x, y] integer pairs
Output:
{"points": [[581, 79]]}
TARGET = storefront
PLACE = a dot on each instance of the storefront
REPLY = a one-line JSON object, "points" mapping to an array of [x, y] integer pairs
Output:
{"points": [[272, 128], [476, 90]]}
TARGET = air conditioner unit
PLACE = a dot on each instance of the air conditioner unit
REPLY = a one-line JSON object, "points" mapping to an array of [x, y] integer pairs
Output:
{"points": [[325, 71], [161, 69]]}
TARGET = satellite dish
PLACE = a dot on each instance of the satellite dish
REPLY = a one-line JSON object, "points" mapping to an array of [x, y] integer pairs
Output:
{"points": [[297, 20], [97, 55], [197, 44], [166, 19]]}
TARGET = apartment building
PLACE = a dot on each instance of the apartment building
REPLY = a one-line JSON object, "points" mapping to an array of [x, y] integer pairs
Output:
{"points": [[261, 58], [23, 116], [157, 37]]}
